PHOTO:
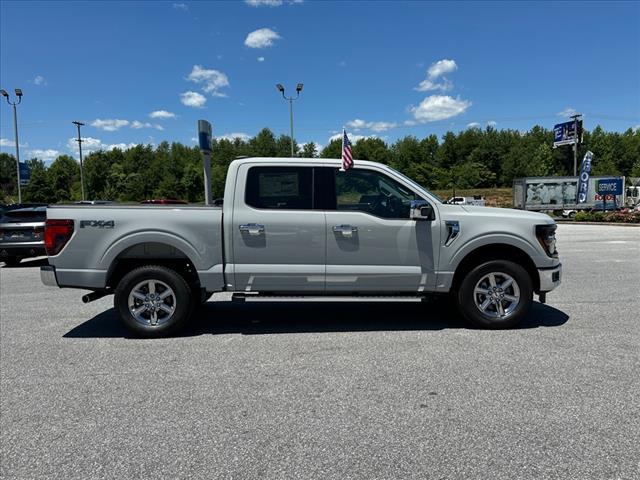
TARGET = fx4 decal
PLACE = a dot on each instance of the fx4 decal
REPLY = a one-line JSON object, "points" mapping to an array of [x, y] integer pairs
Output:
{"points": [[97, 223]]}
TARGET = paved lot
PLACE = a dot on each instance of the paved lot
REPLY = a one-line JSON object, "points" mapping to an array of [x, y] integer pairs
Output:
{"points": [[331, 391]]}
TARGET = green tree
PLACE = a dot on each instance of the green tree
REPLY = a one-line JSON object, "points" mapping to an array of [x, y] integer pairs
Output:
{"points": [[64, 172], [309, 150]]}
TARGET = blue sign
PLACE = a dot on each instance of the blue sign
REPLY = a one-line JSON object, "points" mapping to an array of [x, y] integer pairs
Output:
{"points": [[204, 135], [610, 186], [583, 180], [25, 174], [565, 133]]}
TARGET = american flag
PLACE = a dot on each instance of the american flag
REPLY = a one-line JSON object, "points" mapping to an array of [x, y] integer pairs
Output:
{"points": [[347, 156]]}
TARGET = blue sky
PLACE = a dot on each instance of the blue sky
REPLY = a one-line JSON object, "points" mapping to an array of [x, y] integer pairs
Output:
{"points": [[387, 69]]}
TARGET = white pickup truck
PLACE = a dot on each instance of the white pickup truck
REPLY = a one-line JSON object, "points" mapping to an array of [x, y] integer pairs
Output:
{"points": [[303, 227]]}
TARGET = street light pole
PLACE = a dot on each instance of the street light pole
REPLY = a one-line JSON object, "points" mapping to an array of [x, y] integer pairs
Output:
{"points": [[79, 124], [290, 99], [15, 131]]}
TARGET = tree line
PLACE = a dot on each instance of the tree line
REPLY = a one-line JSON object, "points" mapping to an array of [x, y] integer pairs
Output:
{"points": [[472, 158]]}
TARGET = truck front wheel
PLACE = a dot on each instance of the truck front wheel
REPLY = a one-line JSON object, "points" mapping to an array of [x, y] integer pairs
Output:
{"points": [[153, 301], [495, 294]]}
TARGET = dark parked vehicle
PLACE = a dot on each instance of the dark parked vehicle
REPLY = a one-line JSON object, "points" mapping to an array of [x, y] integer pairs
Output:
{"points": [[22, 233], [164, 201], [93, 202]]}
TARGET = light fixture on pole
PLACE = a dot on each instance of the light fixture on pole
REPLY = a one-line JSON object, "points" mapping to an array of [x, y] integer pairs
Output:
{"points": [[79, 140], [290, 99], [15, 131]]}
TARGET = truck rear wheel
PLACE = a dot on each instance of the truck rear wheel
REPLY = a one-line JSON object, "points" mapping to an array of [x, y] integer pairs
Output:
{"points": [[153, 301], [495, 294]]}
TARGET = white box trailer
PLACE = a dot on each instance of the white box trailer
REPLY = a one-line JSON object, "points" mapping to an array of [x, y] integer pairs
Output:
{"points": [[560, 193]]}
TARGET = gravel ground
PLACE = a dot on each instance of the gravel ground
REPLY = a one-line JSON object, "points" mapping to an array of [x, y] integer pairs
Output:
{"points": [[347, 390]]}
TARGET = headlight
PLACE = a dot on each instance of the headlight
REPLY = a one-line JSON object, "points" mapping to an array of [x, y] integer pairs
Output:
{"points": [[546, 235]]}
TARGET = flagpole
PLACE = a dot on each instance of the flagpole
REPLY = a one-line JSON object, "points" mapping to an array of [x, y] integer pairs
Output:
{"points": [[342, 149]]}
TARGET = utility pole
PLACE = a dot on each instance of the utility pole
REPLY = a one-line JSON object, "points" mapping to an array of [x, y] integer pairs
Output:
{"points": [[15, 131], [79, 140], [290, 99], [575, 142]]}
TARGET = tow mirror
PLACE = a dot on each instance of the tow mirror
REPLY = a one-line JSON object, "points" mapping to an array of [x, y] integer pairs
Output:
{"points": [[421, 210]]}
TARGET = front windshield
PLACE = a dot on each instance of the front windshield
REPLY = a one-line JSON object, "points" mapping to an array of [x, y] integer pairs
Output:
{"points": [[416, 185]]}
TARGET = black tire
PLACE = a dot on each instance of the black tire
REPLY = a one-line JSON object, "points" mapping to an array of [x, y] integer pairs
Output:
{"points": [[12, 261], [180, 301], [468, 300]]}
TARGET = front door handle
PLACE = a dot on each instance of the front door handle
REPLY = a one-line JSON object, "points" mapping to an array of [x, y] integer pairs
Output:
{"points": [[252, 228], [345, 230]]}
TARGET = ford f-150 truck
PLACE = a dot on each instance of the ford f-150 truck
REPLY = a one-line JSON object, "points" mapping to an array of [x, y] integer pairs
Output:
{"points": [[303, 227]]}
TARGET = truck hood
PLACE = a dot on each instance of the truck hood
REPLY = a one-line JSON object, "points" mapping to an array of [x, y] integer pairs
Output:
{"points": [[508, 214]]}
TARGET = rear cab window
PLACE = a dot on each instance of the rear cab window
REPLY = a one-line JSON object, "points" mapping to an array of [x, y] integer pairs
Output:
{"points": [[285, 188]]}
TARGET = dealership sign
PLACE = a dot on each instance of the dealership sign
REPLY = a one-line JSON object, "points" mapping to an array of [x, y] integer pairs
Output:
{"points": [[565, 133], [612, 186], [583, 180], [25, 174]]}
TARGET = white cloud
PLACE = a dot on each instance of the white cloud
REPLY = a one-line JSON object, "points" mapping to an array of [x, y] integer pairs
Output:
{"points": [[429, 85], [263, 3], [121, 146], [211, 80], [44, 155], [439, 107], [261, 59], [636, 128], [353, 138], [193, 99], [410, 123], [261, 38], [441, 67], [356, 124], [5, 142], [232, 136], [109, 124], [436, 70], [90, 144], [473, 125], [271, 3], [181, 6], [39, 80], [138, 125], [359, 124], [162, 114], [567, 112], [492, 123]]}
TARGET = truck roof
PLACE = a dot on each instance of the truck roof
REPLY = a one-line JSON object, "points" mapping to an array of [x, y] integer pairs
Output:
{"points": [[297, 160]]}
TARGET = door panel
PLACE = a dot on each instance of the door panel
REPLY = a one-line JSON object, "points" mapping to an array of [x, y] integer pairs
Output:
{"points": [[280, 246], [389, 255], [367, 252]]}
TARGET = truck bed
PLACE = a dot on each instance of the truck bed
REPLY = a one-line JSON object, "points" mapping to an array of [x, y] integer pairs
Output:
{"points": [[106, 234]]}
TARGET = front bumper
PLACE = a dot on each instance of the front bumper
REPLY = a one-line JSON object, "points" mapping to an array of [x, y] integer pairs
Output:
{"points": [[550, 278], [48, 276]]}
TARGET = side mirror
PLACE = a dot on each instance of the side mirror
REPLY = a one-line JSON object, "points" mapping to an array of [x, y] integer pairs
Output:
{"points": [[421, 210]]}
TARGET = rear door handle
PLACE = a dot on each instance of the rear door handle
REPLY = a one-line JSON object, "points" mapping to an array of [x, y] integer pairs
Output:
{"points": [[252, 228], [345, 230]]}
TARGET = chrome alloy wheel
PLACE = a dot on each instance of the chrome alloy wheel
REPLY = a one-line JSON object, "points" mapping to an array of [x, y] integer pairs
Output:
{"points": [[497, 295], [152, 302]]}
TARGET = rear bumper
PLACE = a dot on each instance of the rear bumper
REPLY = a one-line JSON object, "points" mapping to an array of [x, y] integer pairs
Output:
{"points": [[21, 249], [550, 278], [48, 276]]}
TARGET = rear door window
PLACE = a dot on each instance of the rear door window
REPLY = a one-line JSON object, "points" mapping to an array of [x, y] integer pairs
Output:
{"points": [[286, 188]]}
